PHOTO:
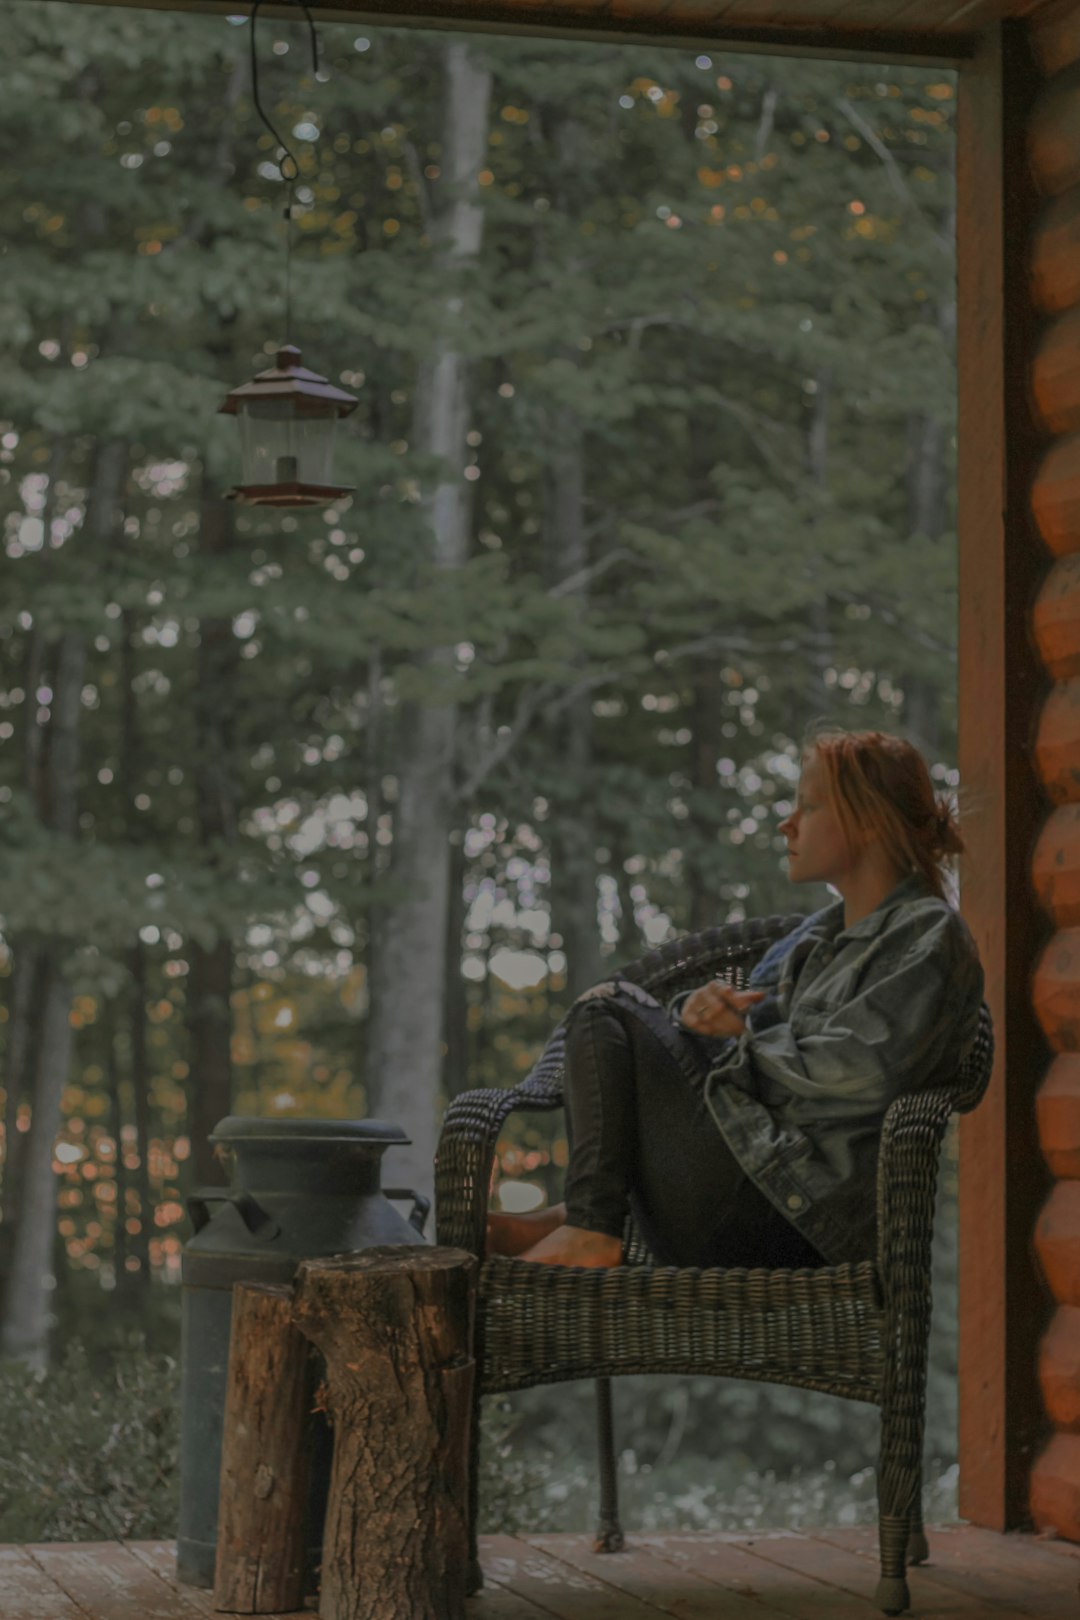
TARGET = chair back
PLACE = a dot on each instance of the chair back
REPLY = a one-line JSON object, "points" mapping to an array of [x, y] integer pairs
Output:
{"points": [[731, 949], [977, 1067]]}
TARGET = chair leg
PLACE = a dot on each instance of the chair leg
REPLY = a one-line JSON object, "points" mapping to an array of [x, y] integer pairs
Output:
{"points": [[474, 1579], [892, 1595], [898, 1480], [917, 1549], [609, 1536]]}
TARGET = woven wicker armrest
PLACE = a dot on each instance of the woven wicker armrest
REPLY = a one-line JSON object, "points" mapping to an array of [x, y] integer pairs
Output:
{"points": [[467, 1143], [472, 1123], [908, 1157]]}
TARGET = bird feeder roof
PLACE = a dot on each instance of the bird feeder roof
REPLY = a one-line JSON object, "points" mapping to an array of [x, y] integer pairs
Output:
{"points": [[289, 380]]}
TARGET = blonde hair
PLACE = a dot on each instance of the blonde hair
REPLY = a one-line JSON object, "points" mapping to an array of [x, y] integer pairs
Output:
{"points": [[879, 786]]}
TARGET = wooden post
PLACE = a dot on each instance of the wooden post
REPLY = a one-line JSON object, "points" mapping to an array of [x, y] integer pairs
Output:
{"points": [[1002, 1306], [261, 1540], [395, 1326]]}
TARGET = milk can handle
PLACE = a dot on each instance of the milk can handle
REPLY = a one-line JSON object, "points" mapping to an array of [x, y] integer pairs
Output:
{"points": [[258, 1222], [421, 1205]]}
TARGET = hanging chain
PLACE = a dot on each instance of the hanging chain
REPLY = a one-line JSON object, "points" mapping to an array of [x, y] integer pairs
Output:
{"points": [[288, 263], [288, 168]]}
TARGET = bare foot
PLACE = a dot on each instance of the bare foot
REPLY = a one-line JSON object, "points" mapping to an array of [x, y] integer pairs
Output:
{"points": [[575, 1246], [512, 1234]]}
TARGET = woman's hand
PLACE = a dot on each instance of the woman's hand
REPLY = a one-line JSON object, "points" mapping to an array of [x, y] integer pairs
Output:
{"points": [[717, 1009]]}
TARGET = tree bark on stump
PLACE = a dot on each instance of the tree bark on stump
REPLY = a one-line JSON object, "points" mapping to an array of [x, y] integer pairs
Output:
{"points": [[395, 1327], [261, 1531]]}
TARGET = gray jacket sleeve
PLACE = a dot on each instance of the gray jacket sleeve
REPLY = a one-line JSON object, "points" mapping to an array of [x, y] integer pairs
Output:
{"points": [[915, 1009]]}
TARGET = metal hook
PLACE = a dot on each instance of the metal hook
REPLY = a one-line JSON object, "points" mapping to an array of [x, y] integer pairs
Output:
{"points": [[289, 158]]}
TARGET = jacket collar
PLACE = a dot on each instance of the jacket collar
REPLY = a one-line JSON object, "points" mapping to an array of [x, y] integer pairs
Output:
{"points": [[830, 921]]}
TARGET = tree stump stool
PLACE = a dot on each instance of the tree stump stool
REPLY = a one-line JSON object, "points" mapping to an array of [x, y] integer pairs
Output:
{"points": [[261, 1540], [394, 1325]]}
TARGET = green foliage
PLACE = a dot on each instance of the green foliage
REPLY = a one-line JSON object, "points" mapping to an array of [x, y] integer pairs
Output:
{"points": [[89, 1451], [725, 282]]}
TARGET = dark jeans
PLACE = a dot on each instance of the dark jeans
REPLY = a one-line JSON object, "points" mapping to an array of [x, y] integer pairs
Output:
{"points": [[641, 1135]]}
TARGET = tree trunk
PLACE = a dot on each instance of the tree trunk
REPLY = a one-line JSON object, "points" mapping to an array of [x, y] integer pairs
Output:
{"points": [[816, 696], [140, 1092], [574, 827], [405, 1042], [707, 715], [456, 1064], [26, 1306], [23, 1031], [210, 979], [395, 1327], [27, 979], [116, 1125], [261, 1535], [927, 500], [139, 1066], [375, 862]]}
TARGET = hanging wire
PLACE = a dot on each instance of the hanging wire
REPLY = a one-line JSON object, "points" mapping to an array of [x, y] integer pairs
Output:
{"points": [[290, 173]]}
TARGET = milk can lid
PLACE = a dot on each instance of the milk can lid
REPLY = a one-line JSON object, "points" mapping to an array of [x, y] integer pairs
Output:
{"points": [[252, 1128]]}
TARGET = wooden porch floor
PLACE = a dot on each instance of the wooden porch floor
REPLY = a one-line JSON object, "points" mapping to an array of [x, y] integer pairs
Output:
{"points": [[775, 1575]]}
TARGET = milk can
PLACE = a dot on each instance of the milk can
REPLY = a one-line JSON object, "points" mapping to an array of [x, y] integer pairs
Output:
{"points": [[299, 1188]]}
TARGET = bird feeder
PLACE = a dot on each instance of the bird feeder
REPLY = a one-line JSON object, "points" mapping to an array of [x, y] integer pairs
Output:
{"points": [[288, 419]]}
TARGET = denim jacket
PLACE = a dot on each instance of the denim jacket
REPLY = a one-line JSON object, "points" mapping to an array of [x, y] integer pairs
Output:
{"points": [[853, 1018]]}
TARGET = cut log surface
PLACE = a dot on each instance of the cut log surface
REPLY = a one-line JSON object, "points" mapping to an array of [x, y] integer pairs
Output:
{"points": [[1056, 37], [1055, 618], [1059, 1369], [1055, 374], [1057, 1242], [1054, 133], [1057, 743], [1055, 1487], [1055, 496], [1055, 866], [1055, 990], [1057, 1106], [395, 1327], [264, 1461], [1055, 268]]}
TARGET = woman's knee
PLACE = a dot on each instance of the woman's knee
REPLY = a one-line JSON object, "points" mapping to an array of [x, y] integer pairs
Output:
{"points": [[594, 1025]]}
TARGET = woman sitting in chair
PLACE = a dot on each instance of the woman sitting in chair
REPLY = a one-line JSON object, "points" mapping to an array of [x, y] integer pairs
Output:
{"points": [[742, 1126]]}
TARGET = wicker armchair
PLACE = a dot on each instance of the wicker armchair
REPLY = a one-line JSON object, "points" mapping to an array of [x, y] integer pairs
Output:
{"points": [[856, 1330]]}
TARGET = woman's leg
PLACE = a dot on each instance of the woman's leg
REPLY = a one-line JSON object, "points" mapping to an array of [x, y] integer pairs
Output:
{"points": [[511, 1234], [640, 1134], [639, 1129]]}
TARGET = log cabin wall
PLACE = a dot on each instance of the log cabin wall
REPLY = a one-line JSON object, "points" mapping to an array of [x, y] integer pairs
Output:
{"points": [[1005, 1305], [1054, 153]]}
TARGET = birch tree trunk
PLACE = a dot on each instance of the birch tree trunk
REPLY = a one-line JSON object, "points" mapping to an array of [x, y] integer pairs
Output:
{"points": [[211, 976], [405, 1043], [928, 492], [25, 1329], [138, 1056], [817, 698], [574, 824], [707, 715], [456, 1030], [24, 1020], [28, 975]]}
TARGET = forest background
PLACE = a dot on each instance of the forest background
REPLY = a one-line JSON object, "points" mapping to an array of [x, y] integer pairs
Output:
{"points": [[333, 814]]}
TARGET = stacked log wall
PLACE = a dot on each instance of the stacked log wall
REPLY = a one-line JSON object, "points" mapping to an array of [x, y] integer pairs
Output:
{"points": [[1054, 153]]}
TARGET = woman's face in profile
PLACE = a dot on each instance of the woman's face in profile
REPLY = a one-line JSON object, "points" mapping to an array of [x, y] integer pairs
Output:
{"points": [[817, 851]]}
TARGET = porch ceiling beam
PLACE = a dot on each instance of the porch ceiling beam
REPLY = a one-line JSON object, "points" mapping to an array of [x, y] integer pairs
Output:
{"points": [[675, 25]]}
